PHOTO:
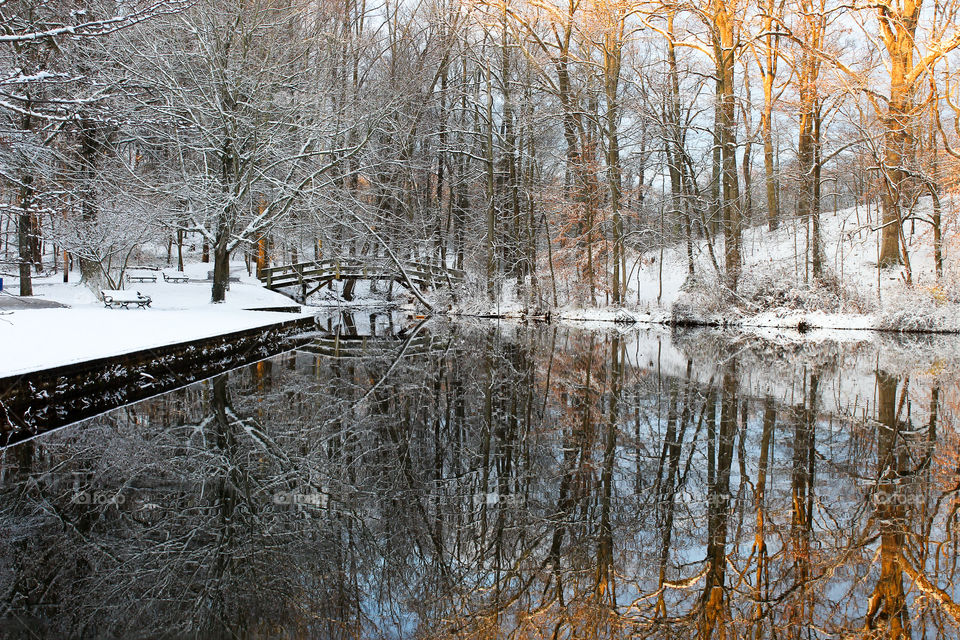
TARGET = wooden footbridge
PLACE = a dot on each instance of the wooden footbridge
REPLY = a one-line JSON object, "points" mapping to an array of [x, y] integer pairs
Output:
{"points": [[312, 276]]}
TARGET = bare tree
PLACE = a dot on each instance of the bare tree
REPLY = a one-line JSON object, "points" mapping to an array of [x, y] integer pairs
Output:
{"points": [[42, 92], [233, 95]]}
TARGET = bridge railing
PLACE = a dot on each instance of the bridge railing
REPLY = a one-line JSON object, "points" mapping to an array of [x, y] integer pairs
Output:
{"points": [[420, 273]]}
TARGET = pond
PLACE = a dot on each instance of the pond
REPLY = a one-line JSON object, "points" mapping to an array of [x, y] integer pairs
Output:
{"points": [[456, 479]]}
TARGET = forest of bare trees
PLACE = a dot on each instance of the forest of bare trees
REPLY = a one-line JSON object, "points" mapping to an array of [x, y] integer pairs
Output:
{"points": [[550, 148]]}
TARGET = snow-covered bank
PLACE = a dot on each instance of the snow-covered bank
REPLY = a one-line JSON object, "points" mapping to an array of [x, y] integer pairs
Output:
{"points": [[34, 339], [777, 289]]}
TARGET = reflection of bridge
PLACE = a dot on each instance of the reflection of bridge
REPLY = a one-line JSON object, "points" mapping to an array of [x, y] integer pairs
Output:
{"points": [[368, 346], [373, 336], [322, 273]]}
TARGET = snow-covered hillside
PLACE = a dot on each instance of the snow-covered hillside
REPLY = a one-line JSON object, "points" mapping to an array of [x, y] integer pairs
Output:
{"points": [[777, 288]]}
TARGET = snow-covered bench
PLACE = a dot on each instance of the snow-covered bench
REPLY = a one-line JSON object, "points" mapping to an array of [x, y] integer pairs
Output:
{"points": [[123, 299], [141, 276], [175, 276], [230, 278]]}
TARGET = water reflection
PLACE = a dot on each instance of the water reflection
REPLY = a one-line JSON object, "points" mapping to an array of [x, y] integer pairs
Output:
{"points": [[479, 481]]}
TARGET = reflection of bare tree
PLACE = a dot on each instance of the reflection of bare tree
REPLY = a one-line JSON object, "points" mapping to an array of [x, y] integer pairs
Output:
{"points": [[605, 592], [887, 610], [505, 482], [799, 609], [719, 460], [761, 588], [667, 486]]}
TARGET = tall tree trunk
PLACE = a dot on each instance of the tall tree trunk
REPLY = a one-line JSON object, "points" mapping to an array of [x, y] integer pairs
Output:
{"points": [[180, 250], [747, 168], [611, 71], [725, 48], [89, 156], [933, 185], [440, 234], [511, 151], [675, 146], [491, 189], [898, 28], [715, 207], [808, 208], [25, 216], [591, 189], [805, 161], [576, 174], [818, 256], [769, 72], [221, 267], [24, 231]]}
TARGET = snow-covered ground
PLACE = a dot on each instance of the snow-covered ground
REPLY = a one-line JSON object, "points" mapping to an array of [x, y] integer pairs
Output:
{"points": [[777, 289], [34, 339]]}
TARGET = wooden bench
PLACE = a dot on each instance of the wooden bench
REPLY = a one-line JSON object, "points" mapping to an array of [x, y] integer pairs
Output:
{"points": [[141, 276], [175, 276], [123, 299], [231, 278]]}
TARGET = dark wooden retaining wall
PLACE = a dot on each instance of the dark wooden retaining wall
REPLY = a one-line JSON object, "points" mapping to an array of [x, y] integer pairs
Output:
{"points": [[42, 400]]}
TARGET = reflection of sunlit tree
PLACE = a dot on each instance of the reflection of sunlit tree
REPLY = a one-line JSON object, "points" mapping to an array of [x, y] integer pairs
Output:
{"points": [[800, 611], [888, 609]]}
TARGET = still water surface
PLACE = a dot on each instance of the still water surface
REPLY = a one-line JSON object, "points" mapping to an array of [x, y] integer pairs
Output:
{"points": [[481, 480]]}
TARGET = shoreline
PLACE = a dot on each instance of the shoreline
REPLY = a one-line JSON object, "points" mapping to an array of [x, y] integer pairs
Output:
{"points": [[44, 399], [804, 325], [801, 324]]}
